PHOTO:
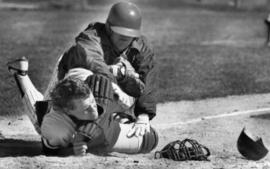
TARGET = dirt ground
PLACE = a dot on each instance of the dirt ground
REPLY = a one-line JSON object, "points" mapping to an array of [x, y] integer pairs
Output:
{"points": [[215, 123]]}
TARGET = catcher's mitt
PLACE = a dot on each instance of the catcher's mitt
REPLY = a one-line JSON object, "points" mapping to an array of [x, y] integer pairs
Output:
{"points": [[187, 149], [102, 90]]}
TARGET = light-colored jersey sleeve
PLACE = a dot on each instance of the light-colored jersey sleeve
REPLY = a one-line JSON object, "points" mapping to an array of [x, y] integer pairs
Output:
{"points": [[57, 130], [123, 101]]}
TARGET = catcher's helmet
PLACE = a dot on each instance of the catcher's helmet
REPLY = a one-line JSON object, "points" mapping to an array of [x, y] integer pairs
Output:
{"points": [[125, 19], [250, 149]]}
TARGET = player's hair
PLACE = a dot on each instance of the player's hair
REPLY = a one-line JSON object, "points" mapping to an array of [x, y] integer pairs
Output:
{"points": [[66, 90]]}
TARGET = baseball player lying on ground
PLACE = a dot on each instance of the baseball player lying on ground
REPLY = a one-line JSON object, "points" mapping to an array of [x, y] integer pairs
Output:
{"points": [[87, 112]]}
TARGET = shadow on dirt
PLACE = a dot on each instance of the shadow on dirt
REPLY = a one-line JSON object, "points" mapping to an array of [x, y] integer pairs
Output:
{"points": [[15, 147], [265, 116]]}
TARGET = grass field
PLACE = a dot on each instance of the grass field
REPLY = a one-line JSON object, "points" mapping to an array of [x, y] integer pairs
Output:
{"points": [[201, 52]]}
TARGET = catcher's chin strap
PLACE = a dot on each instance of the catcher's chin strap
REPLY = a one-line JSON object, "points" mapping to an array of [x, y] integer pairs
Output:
{"points": [[187, 149]]}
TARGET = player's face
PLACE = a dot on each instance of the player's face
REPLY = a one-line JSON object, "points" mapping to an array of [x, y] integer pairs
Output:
{"points": [[121, 42], [84, 108]]}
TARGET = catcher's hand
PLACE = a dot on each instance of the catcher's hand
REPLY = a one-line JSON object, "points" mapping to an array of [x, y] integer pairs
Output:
{"points": [[140, 127], [127, 77], [101, 87], [123, 68]]}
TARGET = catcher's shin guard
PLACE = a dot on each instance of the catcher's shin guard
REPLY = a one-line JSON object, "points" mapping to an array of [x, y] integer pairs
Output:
{"points": [[30, 95]]}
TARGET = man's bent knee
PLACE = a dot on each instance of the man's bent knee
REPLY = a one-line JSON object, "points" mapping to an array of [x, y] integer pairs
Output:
{"points": [[150, 141]]}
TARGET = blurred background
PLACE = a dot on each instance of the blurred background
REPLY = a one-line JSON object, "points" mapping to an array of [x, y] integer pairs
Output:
{"points": [[204, 48], [85, 4]]}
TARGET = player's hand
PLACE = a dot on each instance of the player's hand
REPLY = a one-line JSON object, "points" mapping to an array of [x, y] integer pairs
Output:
{"points": [[80, 148], [140, 127]]}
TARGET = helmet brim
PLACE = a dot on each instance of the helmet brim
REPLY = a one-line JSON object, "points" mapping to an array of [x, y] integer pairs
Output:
{"points": [[126, 31]]}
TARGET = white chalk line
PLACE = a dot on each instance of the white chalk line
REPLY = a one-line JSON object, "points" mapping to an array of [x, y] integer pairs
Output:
{"points": [[237, 113]]}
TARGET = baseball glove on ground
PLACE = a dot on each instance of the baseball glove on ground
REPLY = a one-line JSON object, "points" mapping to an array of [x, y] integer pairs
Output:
{"points": [[187, 149]]}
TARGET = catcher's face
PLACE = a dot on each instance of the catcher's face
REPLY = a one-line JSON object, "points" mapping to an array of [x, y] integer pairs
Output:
{"points": [[84, 108], [121, 42]]}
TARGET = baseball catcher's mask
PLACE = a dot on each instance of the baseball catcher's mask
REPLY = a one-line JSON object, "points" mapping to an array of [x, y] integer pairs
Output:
{"points": [[250, 149], [187, 149]]}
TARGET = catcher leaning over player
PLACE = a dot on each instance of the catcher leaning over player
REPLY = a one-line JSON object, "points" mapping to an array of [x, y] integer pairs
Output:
{"points": [[118, 50]]}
